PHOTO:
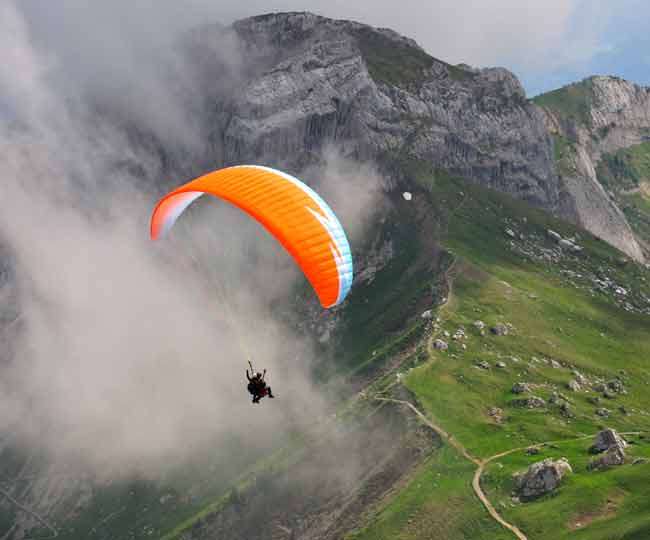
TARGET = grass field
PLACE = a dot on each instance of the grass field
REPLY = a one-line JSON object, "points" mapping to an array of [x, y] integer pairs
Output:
{"points": [[551, 319]]}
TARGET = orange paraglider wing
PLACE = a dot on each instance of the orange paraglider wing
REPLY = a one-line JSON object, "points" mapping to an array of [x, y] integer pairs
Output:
{"points": [[289, 209]]}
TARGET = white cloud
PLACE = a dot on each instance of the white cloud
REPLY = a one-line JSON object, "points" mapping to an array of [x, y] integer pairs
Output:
{"points": [[479, 32]]}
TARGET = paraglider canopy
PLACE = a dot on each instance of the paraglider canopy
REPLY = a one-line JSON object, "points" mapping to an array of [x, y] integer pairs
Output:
{"points": [[289, 209]]}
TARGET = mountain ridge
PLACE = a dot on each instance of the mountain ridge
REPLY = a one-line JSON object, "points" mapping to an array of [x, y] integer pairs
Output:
{"points": [[376, 96]]}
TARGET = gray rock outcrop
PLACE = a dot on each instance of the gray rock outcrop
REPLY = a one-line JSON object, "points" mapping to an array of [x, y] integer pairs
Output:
{"points": [[541, 478], [606, 439], [440, 345], [612, 457], [375, 95], [307, 83]]}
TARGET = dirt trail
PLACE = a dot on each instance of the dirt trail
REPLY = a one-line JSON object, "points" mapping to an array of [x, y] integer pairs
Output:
{"points": [[481, 463], [476, 481]]}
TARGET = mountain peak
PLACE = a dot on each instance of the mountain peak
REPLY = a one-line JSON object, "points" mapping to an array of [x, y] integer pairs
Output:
{"points": [[300, 25]]}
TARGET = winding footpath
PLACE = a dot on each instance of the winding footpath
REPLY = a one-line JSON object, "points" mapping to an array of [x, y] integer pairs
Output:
{"points": [[481, 463]]}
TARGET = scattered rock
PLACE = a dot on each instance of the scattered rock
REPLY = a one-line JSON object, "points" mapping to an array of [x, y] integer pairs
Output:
{"points": [[479, 325], [428, 314], [566, 244], [569, 245], [483, 364], [616, 385], [606, 439], [565, 410], [603, 412], [555, 236], [639, 461], [407, 195], [520, 388], [573, 385], [614, 456], [440, 345], [532, 402], [541, 478], [532, 450], [579, 377], [594, 400], [555, 364], [496, 413], [500, 364], [511, 233], [459, 334], [499, 329]]}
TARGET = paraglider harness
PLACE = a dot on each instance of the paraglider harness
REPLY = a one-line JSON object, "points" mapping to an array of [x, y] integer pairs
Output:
{"points": [[257, 387]]}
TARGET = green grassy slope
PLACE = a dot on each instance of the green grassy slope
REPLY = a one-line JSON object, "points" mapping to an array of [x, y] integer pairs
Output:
{"points": [[572, 101], [624, 173], [626, 168], [554, 316], [399, 63]]}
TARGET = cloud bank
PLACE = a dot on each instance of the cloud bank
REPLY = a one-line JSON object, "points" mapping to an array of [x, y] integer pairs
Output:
{"points": [[129, 355]]}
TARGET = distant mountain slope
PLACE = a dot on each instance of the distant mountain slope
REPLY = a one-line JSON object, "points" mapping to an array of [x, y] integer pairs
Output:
{"points": [[601, 127]]}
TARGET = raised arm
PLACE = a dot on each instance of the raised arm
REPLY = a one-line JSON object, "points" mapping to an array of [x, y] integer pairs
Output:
{"points": [[249, 379]]}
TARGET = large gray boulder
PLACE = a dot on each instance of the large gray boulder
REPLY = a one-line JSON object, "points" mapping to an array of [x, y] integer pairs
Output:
{"points": [[613, 457], [606, 439], [499, 329], [440, 345], [541, 478]]}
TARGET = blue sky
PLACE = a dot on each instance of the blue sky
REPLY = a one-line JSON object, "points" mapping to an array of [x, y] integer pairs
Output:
{"points": [[621, 48]]}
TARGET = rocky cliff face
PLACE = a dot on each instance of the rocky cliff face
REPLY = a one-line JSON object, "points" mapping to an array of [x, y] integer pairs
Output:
{"points": [[307, 82], [590, 119], [311, 82]]}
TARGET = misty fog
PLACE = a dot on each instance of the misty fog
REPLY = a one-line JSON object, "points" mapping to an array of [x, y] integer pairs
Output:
{"points": [[129, 355]]}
